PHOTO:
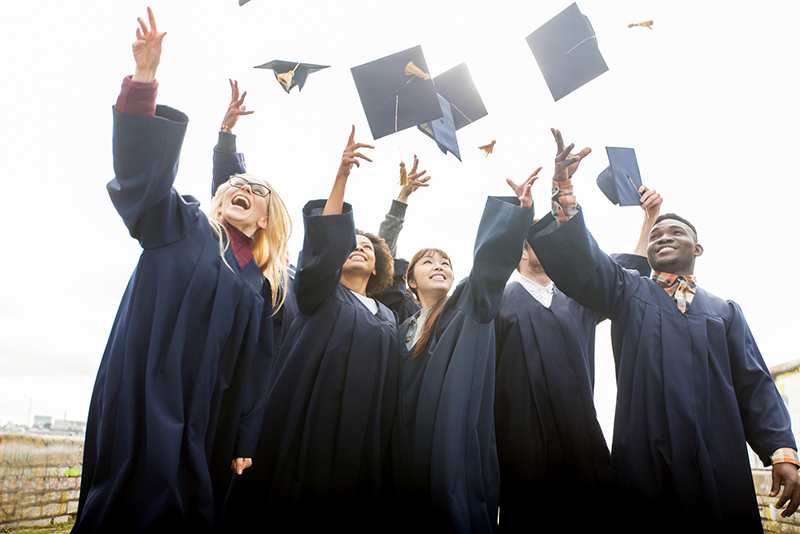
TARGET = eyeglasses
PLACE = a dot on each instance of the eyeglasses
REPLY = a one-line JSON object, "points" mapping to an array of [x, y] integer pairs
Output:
{"points": [[258, 189]]}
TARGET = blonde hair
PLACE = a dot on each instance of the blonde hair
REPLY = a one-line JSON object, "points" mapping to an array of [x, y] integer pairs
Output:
{"points": [[270, 244]]}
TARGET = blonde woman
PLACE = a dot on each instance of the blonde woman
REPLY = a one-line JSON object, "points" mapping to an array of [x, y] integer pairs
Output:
{"points": [[169, 415]]}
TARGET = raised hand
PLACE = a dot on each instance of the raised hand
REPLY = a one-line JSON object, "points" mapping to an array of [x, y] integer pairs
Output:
{"points": [[566, 162], [523, 190], [236, 109], [350, 156], [147, 49], [651, 202], [415, 181]]}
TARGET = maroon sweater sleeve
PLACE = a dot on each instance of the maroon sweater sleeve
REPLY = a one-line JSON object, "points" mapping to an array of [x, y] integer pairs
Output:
{"points": [[137, 98]]}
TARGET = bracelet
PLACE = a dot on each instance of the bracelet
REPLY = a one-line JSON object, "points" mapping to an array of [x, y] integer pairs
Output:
{"points": [[226, 129]]}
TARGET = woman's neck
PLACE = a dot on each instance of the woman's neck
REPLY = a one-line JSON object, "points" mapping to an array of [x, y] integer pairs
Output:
{"points": [[429, 298], [354, 282]]}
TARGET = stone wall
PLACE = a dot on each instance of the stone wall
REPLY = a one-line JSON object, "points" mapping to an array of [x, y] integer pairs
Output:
{"points": [[40, 478]]}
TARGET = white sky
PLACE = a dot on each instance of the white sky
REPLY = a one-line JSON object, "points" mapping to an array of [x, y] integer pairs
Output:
{"points": [[708, 99]]}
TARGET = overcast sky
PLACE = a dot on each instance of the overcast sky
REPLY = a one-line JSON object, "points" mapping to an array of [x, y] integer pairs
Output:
{"points": [[708, 99]]}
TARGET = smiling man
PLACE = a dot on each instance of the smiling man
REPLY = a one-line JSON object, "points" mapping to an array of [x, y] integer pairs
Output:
{"points": [[692, 385]]}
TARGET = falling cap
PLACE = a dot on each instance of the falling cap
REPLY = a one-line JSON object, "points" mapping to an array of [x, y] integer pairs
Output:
{"points": [[620, 181], [397, 92], [565, 47], [457, 87], [291, 73], [443, 130]]}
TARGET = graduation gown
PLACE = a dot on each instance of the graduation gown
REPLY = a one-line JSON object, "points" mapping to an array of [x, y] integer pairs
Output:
{"points": [[170, 396], [226, 164], [548, 438], [444, 456], [325, 437], [692, 388], [396, 297]]}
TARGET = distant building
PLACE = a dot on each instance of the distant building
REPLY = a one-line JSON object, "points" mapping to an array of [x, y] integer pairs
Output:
{"points": [[68, 426], [39, 421]]}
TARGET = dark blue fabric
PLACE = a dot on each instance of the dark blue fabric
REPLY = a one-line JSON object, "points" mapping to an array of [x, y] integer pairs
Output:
{"points": [[170, 395], [325, 436], [691, 389], [225, 165], [397, 297], [444, 457], [549, 441]]}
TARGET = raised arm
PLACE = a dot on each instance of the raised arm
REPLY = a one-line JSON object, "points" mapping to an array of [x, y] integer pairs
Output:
{"points": [[226, 160], [498, 249], [350, 157], [146, 146], [651, 205], [567, 251], [392, 224]]}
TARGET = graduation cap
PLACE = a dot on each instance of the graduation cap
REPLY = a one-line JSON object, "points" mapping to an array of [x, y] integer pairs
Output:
{"points": [[243, 2], [443, 130], [397, 92], [461, 105], [565, 47], [291, 73], [620, 181]]}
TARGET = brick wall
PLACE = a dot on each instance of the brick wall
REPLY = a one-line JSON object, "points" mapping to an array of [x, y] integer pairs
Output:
{"points": [[40, 478]]}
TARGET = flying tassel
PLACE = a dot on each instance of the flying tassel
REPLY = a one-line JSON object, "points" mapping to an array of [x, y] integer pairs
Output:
{"points": [[286, 78], [648, 24], [488, 148], [413, 70], [403, 175]]}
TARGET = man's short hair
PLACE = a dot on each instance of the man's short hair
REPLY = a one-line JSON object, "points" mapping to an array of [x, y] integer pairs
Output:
{"points": [[677, 218]]}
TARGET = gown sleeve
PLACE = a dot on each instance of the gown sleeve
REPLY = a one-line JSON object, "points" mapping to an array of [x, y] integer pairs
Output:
{"points": [[226, 161], [572, 259], [396, 297], [328, 241], [146, 151], [498, 249], [633, 262], [765, 419]]}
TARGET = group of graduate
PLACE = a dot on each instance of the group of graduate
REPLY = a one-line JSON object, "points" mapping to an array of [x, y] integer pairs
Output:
{"points": [[238, 392]]}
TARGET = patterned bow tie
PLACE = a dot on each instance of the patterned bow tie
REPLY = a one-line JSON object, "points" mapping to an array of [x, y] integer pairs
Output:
{"points": [[681, 288]]}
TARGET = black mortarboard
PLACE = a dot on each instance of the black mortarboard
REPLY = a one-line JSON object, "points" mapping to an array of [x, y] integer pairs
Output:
{"points": [[443, 130], [565, 47], [457, 87], [396, 92], [291, 73], [243, 2], [620, 181]]}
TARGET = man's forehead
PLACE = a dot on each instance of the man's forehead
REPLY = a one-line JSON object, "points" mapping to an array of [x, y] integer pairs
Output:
{"points": [[672, 223]]}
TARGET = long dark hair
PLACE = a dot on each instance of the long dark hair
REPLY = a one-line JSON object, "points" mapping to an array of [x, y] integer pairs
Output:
{"points": [[436, 309]]}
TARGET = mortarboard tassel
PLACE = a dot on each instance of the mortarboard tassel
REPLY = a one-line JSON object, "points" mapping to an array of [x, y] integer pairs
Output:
{"points": [[413, 70], [488, 148], [286, 77], [403, 174], [648, 24]]}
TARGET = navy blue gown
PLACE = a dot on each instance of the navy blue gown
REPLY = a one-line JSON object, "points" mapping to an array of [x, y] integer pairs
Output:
{"points": [[444, 456], [170, 407], [548, 438], [324, 445], [225, 165], [692, 388], [397, 297]]}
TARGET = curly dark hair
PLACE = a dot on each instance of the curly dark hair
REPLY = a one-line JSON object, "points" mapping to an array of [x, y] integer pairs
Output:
{"points": [[384, 264]]}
